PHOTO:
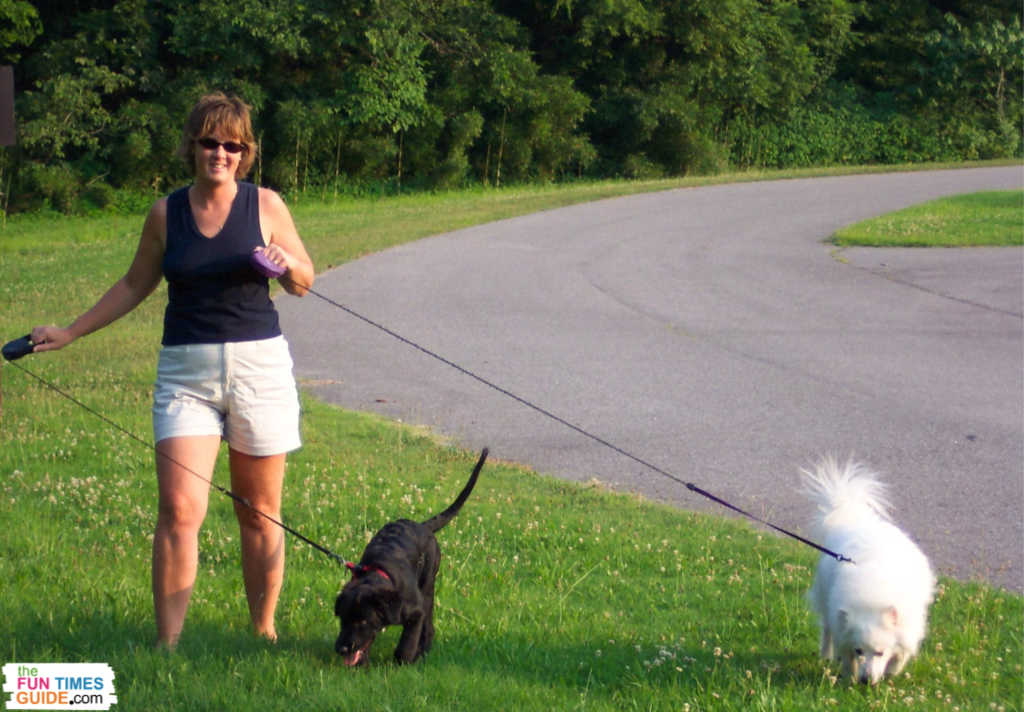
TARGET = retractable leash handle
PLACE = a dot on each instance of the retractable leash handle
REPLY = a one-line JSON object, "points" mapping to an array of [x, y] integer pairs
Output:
{"points": [[13, 350], [262, 264]]}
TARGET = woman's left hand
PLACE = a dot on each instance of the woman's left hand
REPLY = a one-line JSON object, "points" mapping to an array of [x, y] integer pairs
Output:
{"points": [[277, 255]]}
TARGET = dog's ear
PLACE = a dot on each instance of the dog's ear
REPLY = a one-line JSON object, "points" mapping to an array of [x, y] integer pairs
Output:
{"points": [[842, 616], [341, 604], [348, 598], [389, 603]]}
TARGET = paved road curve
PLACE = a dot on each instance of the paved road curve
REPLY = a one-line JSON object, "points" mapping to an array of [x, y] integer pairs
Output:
{"points": [[711, 332]]}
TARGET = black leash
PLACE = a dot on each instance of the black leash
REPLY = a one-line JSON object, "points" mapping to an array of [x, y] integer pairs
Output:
{"points": [[689, 485], [20, 347], [223, 490]]}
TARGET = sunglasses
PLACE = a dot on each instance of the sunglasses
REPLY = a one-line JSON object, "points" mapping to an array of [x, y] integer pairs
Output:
{"points": [[212, 144]]}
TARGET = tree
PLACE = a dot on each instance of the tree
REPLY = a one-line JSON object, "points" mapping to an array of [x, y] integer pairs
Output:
{"points": [[438, 92], [665, 77], [974, 73], [19, 27]]}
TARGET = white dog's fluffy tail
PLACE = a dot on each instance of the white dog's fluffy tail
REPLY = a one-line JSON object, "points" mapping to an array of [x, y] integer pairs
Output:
{"points": [[845, 492]]}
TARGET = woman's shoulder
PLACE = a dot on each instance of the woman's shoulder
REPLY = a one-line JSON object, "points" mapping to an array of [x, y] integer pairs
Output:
{"points": [[159, 206], [155, 227], [175, 197], [270, 200], [177, 193], [266, 193]]}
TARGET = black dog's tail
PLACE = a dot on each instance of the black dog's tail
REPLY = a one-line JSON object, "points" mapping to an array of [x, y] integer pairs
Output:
{"points": [[438, 521]]}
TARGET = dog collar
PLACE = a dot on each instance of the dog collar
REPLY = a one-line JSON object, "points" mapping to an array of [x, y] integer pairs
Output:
{"points": [[362, 569]]}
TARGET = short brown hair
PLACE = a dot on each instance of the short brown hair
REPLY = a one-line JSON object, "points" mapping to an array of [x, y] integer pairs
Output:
{"points": [[219, 112]]}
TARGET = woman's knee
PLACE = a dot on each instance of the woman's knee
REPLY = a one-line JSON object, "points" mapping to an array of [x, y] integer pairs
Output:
{"points": [[181, 513]]}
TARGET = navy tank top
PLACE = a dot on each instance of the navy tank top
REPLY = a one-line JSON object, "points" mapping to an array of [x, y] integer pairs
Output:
{"points": [[213, 294]]}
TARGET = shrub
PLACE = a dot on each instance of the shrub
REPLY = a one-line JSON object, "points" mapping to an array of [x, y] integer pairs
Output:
{"points": [[56, 186], [99, 194], [640, 167]]}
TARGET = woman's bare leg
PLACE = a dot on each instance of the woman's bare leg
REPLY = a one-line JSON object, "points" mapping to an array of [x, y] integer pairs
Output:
{"points": [[183, 498], [259, 480]]}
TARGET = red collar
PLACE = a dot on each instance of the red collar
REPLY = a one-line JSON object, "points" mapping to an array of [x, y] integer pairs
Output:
{"points": [[360, 570]]}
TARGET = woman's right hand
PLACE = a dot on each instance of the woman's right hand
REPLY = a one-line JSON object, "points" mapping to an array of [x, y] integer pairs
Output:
{"points": [[50, 338]]}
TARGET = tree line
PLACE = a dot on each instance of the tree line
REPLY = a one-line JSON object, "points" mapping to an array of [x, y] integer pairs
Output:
{"points": [[354, 95]]}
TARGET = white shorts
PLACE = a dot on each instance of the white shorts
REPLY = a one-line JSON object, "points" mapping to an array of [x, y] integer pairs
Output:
{"points": [[243, 391]]}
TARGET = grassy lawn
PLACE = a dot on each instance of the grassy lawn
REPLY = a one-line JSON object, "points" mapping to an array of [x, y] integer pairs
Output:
{"points": [[993, 219], [551, 595]]}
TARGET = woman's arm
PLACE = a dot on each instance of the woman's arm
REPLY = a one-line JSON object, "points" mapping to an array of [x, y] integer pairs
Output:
{"points": [[142, 278], [284, 246]]}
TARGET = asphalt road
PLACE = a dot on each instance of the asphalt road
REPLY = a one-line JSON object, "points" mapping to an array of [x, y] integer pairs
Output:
{"points": [[713, 333]]}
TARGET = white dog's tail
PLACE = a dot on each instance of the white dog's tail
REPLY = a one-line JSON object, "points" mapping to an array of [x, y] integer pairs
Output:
{"points": [[850, 488]]}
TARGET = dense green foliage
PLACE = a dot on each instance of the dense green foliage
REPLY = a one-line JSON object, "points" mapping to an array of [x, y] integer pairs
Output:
{"points": [[438, 93]]}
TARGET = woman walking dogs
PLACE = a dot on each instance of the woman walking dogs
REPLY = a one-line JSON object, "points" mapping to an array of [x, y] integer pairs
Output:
{"points": [[225, 371]]}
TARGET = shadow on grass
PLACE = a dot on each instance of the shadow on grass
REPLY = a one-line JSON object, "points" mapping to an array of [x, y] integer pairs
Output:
{"points": [[575, 664], [217, 665], [542, 659]]}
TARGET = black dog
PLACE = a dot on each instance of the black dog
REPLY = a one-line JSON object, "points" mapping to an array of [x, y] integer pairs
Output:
{"points": [[393, 584]]}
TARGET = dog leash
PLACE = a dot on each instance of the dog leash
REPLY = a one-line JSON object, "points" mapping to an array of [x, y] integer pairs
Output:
{"points": [[523, 401], [21, 347]]}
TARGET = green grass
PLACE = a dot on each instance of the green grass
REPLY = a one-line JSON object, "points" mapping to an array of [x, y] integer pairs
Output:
{"points": [[993, 219], [552, 595]]}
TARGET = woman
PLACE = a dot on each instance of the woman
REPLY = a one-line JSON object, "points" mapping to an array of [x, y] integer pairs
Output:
{"points": [[225, 369]]}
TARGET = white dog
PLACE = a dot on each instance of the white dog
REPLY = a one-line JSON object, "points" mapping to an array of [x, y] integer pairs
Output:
{"points": [[873, 611]]}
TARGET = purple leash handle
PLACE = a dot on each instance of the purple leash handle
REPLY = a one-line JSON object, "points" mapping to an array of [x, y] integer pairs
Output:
{"points": [[262, 264]]}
